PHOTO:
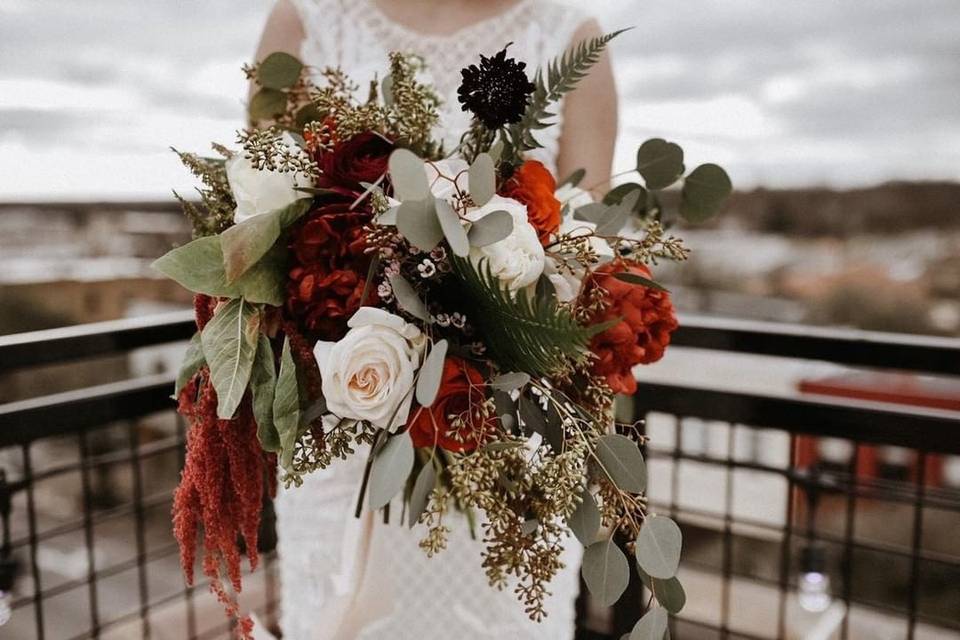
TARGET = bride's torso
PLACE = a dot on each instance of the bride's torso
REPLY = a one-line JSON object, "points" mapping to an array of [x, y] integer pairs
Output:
{"points": [[360, 578]]}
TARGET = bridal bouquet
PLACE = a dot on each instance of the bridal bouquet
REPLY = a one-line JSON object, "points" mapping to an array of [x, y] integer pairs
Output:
{"points": [[456, 315]]}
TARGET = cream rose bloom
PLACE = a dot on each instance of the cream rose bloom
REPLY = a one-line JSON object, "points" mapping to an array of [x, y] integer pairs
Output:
{"points": [[369, 373], [567, 284], [259, 191], [518, 259]]}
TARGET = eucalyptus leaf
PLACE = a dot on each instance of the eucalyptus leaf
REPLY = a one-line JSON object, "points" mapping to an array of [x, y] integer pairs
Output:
{"points": [[554, 433], [420, 495], [431, 374], [307, 114], [660, 163], [584, 522], [593, 212], [616, 195], [622, 461], [482, 179], [279, 70], [529, 526], [658, 547], [496, 150], [510, 381], [263, 385], [617, 215], [669, 593], [502, 445], [286, 406], [452, 229], [408, 299], [574, 178], [267, 104], [506, 410], [417, 221], [493, 227], [192, 361], [408, 176], [652, 626], [704, 191], [636, 278], [386, 89], [531, 415], [605, 571], [391, 468], [388, 217], [229, 343]]}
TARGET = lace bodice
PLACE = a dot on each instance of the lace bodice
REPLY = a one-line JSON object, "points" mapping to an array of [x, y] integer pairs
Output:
{"points": [[357, 36], [345, 578]]}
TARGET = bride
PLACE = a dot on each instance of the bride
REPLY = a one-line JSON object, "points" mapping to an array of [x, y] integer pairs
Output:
{"points": [[345, 578]]}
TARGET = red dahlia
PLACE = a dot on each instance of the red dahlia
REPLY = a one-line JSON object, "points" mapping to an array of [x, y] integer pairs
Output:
{"points": [[534, 186], [461, 389]]}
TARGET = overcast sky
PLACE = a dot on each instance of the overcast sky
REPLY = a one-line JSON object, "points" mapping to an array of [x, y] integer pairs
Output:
{"points": [[836, 92]]}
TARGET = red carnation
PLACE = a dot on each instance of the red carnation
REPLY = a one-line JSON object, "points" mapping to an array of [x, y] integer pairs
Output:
{"points": [[460, 396], [328, 269], [534, 186], [362, 158], [646, 321]]}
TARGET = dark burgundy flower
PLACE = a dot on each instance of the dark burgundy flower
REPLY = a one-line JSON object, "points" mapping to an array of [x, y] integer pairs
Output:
{"points": [[362, 158], [497, 91]]}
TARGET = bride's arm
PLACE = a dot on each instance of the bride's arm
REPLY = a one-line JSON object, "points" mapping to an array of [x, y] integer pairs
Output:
{"points": [[283, 31], [590, 120]]}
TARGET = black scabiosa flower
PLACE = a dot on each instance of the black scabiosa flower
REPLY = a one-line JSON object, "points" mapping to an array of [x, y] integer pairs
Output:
{"points": [[497, 91]]}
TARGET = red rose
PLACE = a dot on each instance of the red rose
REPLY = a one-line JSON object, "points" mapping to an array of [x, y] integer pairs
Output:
{"points": [[646, 321], [362, 158], [328, 269], [533, 186], [461, 393]]}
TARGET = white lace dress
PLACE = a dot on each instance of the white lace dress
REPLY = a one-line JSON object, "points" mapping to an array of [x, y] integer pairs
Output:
{"points": [[346, 578]]}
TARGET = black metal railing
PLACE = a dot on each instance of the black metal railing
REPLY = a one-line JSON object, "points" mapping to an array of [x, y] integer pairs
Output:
{"points": [[88, 476]]}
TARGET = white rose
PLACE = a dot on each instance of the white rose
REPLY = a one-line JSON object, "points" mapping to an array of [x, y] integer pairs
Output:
{"points": [[259, 191], [566, 283], [518, 259], [369, 373], [574, 197]]}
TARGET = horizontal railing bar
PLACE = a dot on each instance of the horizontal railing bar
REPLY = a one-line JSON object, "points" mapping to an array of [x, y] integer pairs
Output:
{"points": [[54, 346], [147, 206], [71, 411], [918, 428], [845, 346]]}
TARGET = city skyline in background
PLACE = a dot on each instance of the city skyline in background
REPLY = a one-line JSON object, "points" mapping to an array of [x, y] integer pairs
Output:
{"points": [[847, 94]]}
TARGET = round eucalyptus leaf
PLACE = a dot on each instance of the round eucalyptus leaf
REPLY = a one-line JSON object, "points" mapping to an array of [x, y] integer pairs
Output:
{"points": [[623, 462], [452, 228], [593, 212], [408, 176], [669, 593], [493, 227], [390, 470], [307, 114], [585, 520], [652, 626], [420, 495], [267, 104], [417, 221], [279, 70], [532, 416], [660, 163], [510, 381], [606, 571], [482, 179], [704, 192], [574, 178], [616, 195], [408, 299], [658, 547], [431, 373]]}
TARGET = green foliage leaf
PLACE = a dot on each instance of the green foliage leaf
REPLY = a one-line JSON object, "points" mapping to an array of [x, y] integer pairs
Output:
{"points": [[574, 178], [493, 227], [482, 179], [408, 176], [229, 342], [524, 332], [286, 406], [279, 70], [622, 461], [616, 195], [420, 496], [704, 192], [593, 212], [585, 520], [418, 222], [652, 626], [307, 114], [506, 410], [616, 216], [245, 243], [531, 415], [606, 571], [267, 104], [391, 467], [658, 547], [431, 374], [263, 385], [510, 381], [669, 593], [408, 299], [452, 228], [660, 163], [192, 361], [636, 278]]}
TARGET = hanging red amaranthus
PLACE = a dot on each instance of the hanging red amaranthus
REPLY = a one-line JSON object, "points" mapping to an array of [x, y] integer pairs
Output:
{"points": [[221, 487]]}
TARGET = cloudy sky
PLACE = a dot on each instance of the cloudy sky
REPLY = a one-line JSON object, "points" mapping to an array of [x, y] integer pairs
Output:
{"points": [[836, 92]]}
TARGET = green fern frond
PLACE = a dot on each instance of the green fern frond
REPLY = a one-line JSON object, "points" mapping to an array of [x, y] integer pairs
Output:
{"points": [[524, 332], [560, 76]]}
